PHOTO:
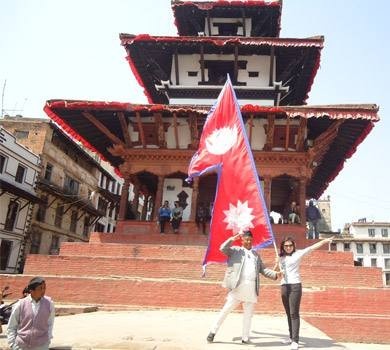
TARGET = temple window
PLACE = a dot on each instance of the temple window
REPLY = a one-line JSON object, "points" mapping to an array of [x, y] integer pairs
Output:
{"points": [[218, 70], [233, 28], [20, 172], [21, 134], [71, 186], [2, 163], [280, 136], [48, 171], [12, 214]]}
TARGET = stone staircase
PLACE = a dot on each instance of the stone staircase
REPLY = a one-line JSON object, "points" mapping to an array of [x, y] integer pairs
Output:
{"points": [[124, 270]]}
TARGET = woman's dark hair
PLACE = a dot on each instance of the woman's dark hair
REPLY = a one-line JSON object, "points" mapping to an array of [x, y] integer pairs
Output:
{"points": [[282, 251], [34, 283]]}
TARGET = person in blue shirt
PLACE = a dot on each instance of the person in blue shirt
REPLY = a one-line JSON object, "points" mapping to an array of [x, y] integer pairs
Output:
{"points": [[313, 216], [164, 215]]}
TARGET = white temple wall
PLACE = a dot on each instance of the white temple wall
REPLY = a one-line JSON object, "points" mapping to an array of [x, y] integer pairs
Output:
{"points": [[191, 63], [211, 101], [258, 133], [183, 130], [172, 187], [214, 28]]}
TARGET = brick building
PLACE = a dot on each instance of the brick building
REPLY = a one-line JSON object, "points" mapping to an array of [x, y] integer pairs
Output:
{"points": [[370, 244], [77, 194], [324, 206], [19, 169]]}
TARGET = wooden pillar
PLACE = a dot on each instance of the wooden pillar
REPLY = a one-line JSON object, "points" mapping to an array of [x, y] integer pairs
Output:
{"points": [[302, 200], [250, 124], [208, 19], [243, 24], [145, 207], [271, 67], [267, 192], [235, 77], [194, 198], [202, 76], [124, 199], [154, 209], [159, 195], [135, 202], [176, 61]]}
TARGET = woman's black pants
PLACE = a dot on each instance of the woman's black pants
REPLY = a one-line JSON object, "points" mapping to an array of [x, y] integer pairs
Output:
{"points": [[291, 298]]}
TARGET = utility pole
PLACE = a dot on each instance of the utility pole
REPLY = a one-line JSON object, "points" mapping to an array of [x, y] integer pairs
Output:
{"points": [[2, 99]]}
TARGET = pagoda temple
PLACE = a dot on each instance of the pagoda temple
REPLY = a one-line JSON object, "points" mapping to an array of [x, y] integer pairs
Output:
{"points": [[298, 149]]}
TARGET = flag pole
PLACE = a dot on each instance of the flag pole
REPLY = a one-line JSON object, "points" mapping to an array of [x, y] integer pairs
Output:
{"points": [[277, 256]]}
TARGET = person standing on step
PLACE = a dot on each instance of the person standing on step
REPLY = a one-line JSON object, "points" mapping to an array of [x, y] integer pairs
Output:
{"points": [[313, 216], [202, 216], [30, 326], [177, 215], [291, 286], [164, 215], [242, 280]]}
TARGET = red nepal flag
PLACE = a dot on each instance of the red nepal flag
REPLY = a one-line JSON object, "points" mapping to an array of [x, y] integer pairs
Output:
{"points": [[239, 203]]}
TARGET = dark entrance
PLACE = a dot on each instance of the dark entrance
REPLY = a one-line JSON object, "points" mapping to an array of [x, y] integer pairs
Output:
{"points": [[5, 252]]}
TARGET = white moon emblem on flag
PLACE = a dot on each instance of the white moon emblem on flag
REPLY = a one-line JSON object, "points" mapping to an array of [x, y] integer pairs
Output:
{"points": [[221, 140], [239, 218]]}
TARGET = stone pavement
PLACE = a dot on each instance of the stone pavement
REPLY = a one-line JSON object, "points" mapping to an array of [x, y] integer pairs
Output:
{"points": [[179, 330]]}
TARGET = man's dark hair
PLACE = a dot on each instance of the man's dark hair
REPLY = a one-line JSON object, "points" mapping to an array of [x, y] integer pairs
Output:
{"points": [[247, 234], [34, 283]]}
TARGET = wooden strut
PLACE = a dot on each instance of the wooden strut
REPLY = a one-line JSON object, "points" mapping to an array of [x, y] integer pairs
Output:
{"points": [[100, 126], [140, 129], [322, 142], [175, 130], [125, 130]]}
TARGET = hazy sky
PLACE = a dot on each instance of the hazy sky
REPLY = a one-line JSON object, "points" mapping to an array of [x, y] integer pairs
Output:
{"points": [[70, 49]]}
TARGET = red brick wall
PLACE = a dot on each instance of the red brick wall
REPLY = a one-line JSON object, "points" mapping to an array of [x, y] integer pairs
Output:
{"points": [[337, 297], [352, 328]]}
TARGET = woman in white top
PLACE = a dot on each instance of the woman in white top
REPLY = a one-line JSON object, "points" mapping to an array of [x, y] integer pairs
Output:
{"points": [[291, 286]]}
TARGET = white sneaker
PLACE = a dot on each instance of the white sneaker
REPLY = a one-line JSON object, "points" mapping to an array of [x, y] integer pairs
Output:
{"points": [[294, 346], [286, 341]]}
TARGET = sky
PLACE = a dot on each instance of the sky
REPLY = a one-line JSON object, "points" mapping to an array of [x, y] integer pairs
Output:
{"points": [[70, 49]]}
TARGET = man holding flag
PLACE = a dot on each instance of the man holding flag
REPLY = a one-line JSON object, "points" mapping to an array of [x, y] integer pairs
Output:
{"points": [[239, 205], [242, 279]]}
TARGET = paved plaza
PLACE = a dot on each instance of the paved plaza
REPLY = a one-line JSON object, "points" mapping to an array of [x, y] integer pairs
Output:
{"points": [[179, 330]]}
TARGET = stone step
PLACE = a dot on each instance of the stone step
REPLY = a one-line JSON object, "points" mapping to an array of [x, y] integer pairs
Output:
{"points": [[359, 328], [153, 238], [196, 253], [156, 268], [203, 294], [145, 236]]}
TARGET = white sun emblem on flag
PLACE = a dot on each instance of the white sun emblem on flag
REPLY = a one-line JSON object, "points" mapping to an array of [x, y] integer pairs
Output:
{"points": [[239, 218], [221, 140]]}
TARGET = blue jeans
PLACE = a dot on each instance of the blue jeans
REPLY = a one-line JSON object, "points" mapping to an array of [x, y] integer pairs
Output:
{"points": [[313, 229]]}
